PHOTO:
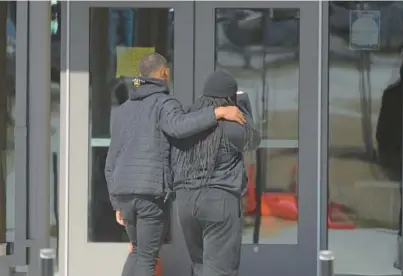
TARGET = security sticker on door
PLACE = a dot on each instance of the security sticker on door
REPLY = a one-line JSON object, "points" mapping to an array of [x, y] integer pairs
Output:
{"points": [[365, 30]]}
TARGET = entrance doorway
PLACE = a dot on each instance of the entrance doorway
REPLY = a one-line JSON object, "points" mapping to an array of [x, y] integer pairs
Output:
{"points": [[260, 43]]}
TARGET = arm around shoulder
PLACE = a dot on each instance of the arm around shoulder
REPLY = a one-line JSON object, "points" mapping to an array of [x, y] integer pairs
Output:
{"points": [[176, 123]]}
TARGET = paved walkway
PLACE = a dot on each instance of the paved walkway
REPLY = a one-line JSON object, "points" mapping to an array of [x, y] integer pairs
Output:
{"points": [[368, 252]]}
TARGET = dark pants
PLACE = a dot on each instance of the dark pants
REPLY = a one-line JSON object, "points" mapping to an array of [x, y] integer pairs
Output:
{"points": [[211, 221], [144, 219]]}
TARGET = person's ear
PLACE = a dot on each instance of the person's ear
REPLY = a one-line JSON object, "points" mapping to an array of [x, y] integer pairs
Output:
{"points": [[165, 73]]}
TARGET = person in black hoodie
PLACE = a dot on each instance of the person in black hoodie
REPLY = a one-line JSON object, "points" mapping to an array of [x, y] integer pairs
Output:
{"points": [[137, 170], [389, 140], [209, 180]]}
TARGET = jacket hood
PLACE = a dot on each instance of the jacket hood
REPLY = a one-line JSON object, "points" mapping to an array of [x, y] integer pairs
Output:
{"points": [[143, 87]]}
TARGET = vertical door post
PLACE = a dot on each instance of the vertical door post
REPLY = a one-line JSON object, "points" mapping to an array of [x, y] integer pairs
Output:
{"points": [[39, 130]]}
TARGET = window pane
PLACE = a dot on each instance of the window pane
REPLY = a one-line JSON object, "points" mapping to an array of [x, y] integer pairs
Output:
{"points": [[260, 48], [365, 142], [7, 113], [126, 33]]}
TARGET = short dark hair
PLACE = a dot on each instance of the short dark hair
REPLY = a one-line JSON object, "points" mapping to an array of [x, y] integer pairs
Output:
{"points": [[151, 62], [118, 88]]}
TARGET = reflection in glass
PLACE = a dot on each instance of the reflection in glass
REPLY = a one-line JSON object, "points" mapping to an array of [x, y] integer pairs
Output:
{"points": [[7, 108], [365, 143], [55, 19], [260, 48], [55, 120], [144, 27]]}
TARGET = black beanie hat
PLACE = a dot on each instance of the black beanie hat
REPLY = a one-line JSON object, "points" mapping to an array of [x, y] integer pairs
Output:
{"points": [[220, 84]]}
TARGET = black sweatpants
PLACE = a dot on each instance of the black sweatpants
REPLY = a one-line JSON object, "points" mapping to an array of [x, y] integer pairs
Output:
{"points": [[211, 221], [144, 217]]}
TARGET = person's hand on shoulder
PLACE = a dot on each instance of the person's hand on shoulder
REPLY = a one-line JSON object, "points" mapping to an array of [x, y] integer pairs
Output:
{"points": [[230, 113]]}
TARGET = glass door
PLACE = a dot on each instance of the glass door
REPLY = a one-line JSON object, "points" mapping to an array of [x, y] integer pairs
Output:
{"points": [[105, 40], [364, 143], [272, 50]]}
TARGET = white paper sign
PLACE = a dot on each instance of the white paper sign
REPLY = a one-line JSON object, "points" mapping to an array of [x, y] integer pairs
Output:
{"points": [[365, 30]]}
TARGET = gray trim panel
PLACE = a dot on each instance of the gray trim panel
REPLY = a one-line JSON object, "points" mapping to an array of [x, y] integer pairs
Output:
{"points": [[39, 149], [324, 141], [64, 138], [21, 135]]}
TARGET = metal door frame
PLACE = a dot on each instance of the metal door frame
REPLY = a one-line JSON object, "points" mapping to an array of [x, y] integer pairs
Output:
{"points": [[324, 122], [77, 255], [302, 255], [21, 242]]}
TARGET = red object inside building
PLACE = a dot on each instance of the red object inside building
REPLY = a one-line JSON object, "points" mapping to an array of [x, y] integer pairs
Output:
{"points": [[285, 204]]}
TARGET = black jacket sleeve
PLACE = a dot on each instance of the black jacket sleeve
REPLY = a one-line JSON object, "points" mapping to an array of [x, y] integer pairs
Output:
{"points": [[176, 123], [254, 139], [244, 104], [113, 153], [389, 130], [386, 115]]}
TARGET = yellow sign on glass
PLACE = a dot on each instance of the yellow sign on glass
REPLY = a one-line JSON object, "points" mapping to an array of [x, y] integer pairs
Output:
{"points": [[128, 58]]}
